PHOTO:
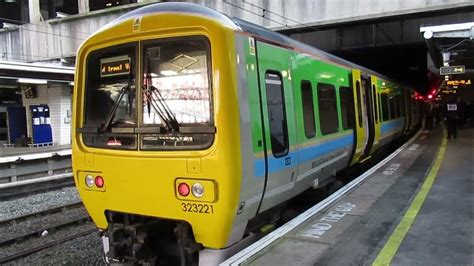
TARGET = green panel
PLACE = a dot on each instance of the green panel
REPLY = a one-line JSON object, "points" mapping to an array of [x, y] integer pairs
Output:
{"points": [[277, 59], [305, 67], [254, 102]]}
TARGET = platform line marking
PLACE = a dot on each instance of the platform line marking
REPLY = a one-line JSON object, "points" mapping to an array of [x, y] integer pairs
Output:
{"points": [[387, 253], [265, 241]]}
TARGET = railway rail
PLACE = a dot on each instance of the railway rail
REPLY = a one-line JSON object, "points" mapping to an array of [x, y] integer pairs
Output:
{"points": [[33, 186], [24, 253], [69, 222]]}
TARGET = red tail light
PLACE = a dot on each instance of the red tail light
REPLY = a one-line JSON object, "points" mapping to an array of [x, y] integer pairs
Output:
{"points": [[183, 189], [99, 181]]}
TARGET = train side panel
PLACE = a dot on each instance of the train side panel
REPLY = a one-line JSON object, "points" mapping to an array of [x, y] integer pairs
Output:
{"points": [[325, 125]]}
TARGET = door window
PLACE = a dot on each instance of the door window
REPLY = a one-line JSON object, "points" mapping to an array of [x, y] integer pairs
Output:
{"points": [[276, 113]]}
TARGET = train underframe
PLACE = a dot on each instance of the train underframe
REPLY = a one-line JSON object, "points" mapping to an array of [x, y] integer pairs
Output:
{"points": [[140, 240]]}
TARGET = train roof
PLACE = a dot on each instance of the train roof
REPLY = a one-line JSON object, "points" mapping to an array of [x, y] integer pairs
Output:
{"points": [[244, 26]]}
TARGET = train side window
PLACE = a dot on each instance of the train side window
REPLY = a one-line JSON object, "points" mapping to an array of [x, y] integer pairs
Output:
{"points": [[385, 109], [359, 104], [307, 102], [327, 108], [347, 107], [401, 106], [276, 113], [376, 107], [380, 107], [393, 109]]}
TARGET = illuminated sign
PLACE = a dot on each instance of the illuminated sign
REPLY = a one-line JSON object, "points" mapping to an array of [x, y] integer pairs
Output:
{"points": [[459, 82], [115, 66], [448, 91], [452, 70]]}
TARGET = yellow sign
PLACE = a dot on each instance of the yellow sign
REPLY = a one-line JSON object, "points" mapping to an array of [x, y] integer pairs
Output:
{"points": [[459, 82], [119, 66]]}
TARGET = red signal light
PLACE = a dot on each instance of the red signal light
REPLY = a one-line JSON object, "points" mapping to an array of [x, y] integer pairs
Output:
{"points": [[183, 189], [99, 181]]}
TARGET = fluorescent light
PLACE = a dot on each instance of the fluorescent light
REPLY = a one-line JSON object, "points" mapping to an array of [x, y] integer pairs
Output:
{"points": [[32, 81], [61, 14], [168, 73]]}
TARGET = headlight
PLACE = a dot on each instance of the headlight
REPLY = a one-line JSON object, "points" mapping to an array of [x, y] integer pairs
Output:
{"points": [[198, 190]]}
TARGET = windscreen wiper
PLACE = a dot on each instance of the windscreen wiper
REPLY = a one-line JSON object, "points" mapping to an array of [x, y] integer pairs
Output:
{"points": [[162, 109], [104, 127], [158, 103]]}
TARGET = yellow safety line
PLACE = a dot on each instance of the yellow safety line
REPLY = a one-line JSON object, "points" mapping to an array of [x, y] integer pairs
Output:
{"points": [[388, 251]]}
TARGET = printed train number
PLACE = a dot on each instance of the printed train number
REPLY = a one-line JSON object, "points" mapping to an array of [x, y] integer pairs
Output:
{"points": [[197, 208]]}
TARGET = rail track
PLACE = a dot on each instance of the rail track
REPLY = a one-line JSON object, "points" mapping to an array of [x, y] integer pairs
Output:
{"points": [[78, 220], [34, 186]]}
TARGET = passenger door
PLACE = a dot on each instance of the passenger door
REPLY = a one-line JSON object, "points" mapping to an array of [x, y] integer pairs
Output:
{"points": [[360, 117], [276, 99], [369, 107]]}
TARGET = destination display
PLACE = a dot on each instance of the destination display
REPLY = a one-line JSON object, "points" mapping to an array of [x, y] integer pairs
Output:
{"points": [[452, 70], [114, 66]]}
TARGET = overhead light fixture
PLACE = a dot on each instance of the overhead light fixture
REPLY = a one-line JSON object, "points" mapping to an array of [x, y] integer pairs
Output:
{"points": [[7, 25], [61, 14], [32, 81], [9, 86], [168, 73]]}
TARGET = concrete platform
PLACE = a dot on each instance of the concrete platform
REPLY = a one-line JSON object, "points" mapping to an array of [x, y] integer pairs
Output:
{"points": [[363, 226], [12, 154]]}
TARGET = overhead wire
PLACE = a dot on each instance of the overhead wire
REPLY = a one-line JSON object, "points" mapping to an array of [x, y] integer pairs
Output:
{"points": [[53, 34], [281, 16], [2, 54], [455, 45], [257, 14], [40, 25]]}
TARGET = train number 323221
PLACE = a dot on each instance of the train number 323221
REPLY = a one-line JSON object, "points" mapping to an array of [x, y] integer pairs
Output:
{"points": [[197, 208]]}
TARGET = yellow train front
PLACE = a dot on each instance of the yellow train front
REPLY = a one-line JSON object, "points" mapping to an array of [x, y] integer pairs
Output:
{"points": [[153, 129], [192, 130]]}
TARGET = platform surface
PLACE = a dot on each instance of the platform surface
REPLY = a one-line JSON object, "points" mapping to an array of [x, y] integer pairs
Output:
{"points": [[356, 228], [12, 154]]}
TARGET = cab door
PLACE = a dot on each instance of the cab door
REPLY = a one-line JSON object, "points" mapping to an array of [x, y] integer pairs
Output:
{"points": [[361, 131], [377, 125], [276, 99], [368, 88]]}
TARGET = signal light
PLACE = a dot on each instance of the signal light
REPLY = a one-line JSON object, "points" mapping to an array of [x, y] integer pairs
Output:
{"points": [[430, 96], [89, 181], [183, 189], [99, 181], [198, 190]]}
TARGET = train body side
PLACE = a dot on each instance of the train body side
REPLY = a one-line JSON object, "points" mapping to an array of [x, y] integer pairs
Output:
{"points": [[282, 126]]}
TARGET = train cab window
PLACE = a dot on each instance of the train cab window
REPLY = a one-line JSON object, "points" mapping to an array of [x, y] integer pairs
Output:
{"points": [[110, 98], [392, 106], [401, 106], [385, 109], [359, 104], [307, 102], [327, 108], [347, 107], [176, 91], [276, 113]]}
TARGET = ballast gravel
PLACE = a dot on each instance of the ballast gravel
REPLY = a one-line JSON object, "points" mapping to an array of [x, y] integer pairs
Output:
{"points": [[85, 250], [37, 202]]}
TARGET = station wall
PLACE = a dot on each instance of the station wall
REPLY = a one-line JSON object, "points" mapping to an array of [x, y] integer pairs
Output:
{"points": [[58, 98]]}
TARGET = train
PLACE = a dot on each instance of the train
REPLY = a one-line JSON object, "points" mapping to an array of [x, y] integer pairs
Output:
{"points": [[191, 129]]}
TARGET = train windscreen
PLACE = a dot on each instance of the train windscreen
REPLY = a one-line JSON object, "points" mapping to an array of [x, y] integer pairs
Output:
{"points": [[169, 108]]}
